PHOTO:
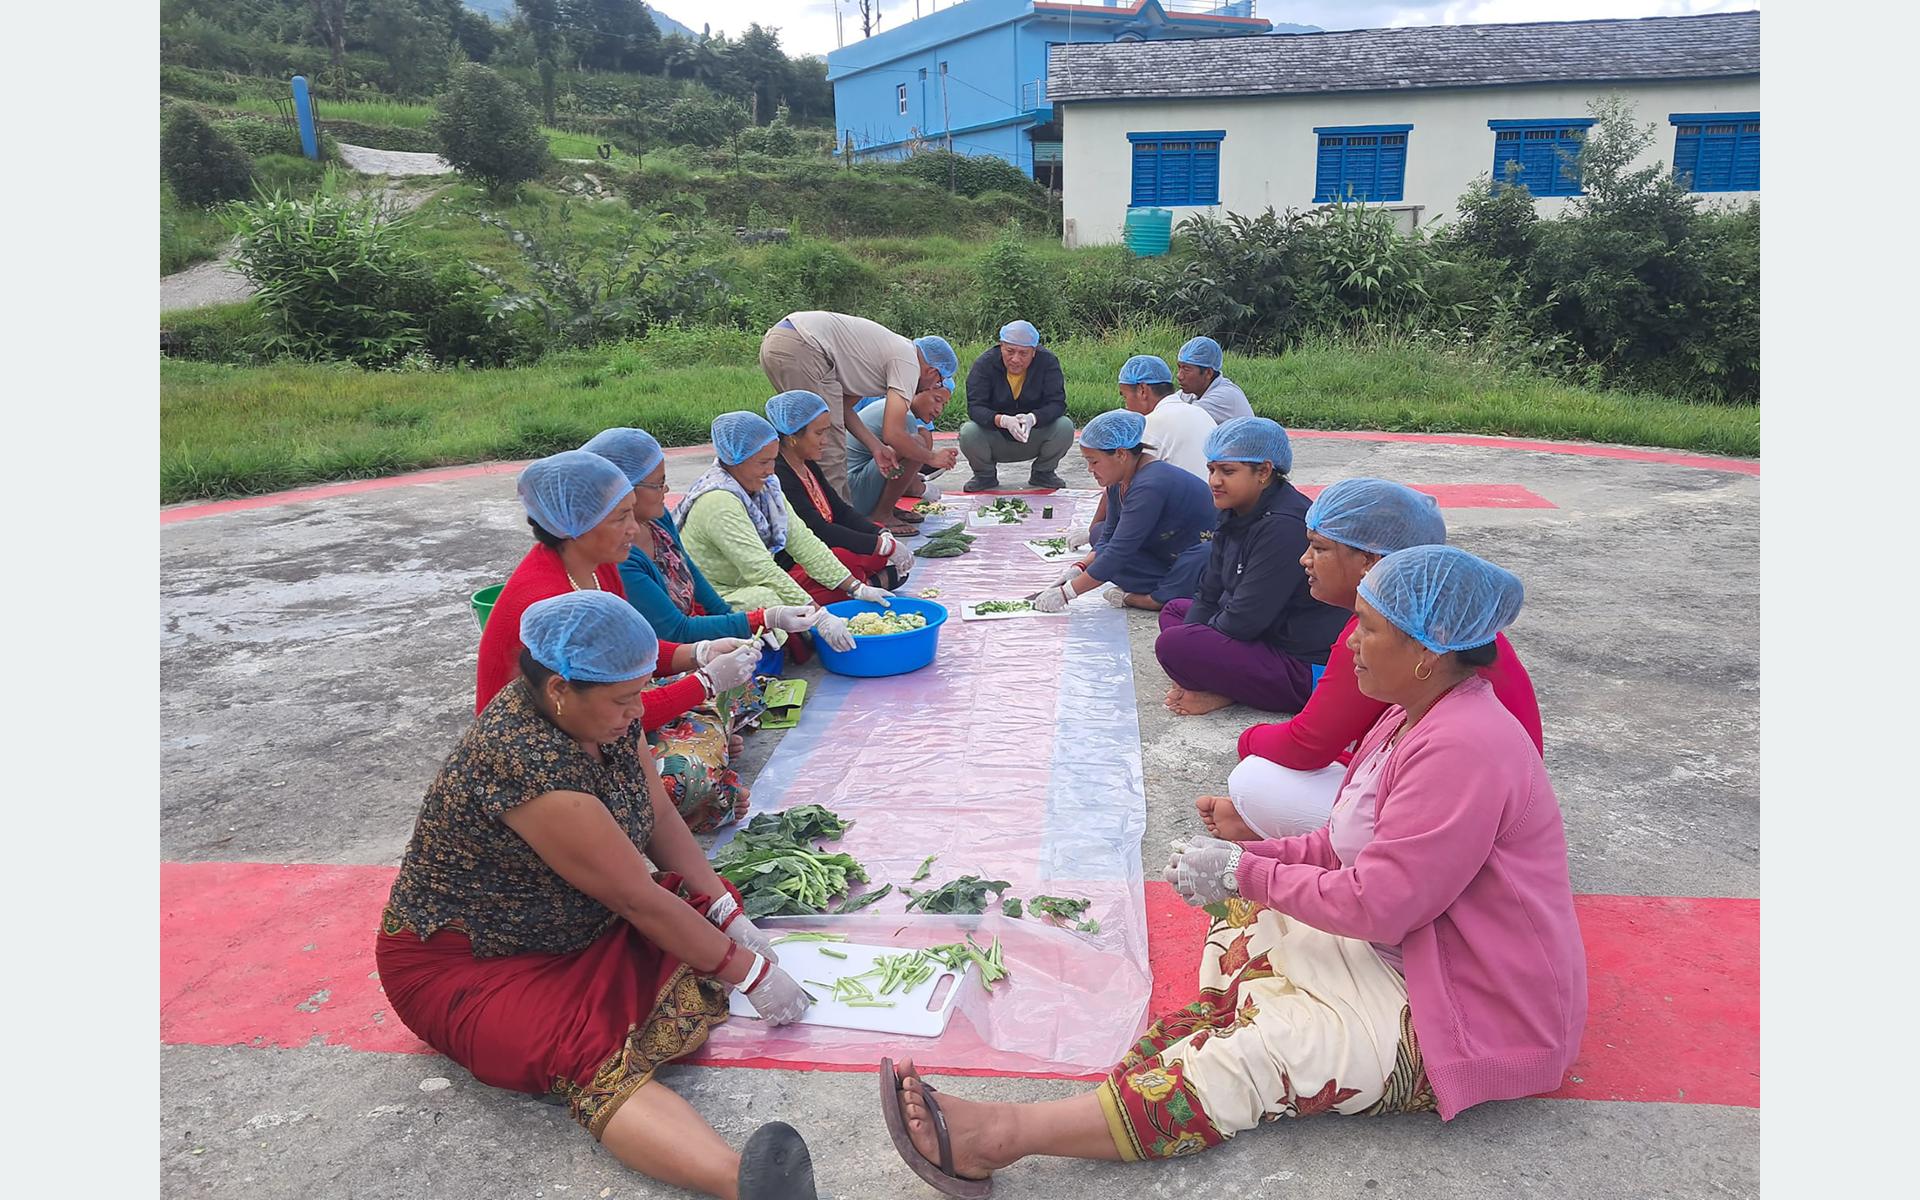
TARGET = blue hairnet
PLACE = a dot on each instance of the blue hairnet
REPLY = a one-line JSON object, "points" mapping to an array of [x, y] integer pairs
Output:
{"points": [[1377, 516], [738, 436], [570, 492], [1116, 430], [939, 356], [1201, 352], [1250, 440], [791, 412], [1443, 597], [1019, 333], [589, 637], [634, 451], [1146, 368]]}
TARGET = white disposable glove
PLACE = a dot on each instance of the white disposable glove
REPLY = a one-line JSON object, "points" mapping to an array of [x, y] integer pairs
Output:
{"points": [[886, 545], [1027, 422], [792, 618], [1204, 870], [1073, 570], [874, 595], [834, 629], [706, 652], [1116, 596], [1054, 599], [774, 994], [1080, 535], [728, 919], [729, 671], [901, 559], [1015, 426]]}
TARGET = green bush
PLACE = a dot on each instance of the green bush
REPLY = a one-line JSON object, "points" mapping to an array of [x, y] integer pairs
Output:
{"points": [[192, 85], [969, 174], [488, 129], [1248, 281], [1366, 272], [805, 273], [705, 120], [261, 135], [203, 165], [187, 235], [221, 333], [1105, 288], [1015, 285], [336, 277]]}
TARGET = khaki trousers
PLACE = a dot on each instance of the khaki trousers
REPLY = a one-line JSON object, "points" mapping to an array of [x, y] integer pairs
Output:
{"points": [[793, 363]]}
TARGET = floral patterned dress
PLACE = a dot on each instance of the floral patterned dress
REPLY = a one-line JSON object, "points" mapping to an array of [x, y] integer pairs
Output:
{"points": [[1291, 1022]]}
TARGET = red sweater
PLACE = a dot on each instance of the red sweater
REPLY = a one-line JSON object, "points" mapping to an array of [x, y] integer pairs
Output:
{"points": [[1338, 714], [540, 576]]}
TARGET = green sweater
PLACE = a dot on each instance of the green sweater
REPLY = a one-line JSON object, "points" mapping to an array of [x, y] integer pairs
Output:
{"points": [[722, 540]]}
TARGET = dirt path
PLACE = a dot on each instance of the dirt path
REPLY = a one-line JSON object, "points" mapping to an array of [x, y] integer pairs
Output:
{"points": [[217, 282]]}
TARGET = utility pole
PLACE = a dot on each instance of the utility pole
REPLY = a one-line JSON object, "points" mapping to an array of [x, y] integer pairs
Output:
{"points": [[946, 119]]}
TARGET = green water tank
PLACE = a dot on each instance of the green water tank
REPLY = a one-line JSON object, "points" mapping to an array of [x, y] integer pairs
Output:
{"points": [[1149, 231]]}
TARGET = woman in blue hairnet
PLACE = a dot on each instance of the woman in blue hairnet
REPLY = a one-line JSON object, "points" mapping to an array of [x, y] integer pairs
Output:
{"points": [[696, 736], [555, 929], [580, 507], [1253, 631], [736, 518], [874, 554], [1290, 771], [1418, 953], [1154, 513]]}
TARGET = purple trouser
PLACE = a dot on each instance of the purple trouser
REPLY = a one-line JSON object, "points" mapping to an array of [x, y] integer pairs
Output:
{"points": [[1203, 659]]}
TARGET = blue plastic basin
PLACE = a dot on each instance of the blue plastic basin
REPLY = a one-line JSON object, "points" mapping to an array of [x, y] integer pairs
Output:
{"points": [[891, 654]]}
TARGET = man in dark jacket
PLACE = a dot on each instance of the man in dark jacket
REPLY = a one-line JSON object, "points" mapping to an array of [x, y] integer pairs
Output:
{"points": [[1016, 411]]}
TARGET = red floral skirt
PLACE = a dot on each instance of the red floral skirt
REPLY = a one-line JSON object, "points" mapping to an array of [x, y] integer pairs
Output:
{"points": [[589, 1027]]}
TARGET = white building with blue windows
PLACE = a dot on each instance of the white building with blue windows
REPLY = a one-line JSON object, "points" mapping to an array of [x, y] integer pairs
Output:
{"points": [[1403, 117], [973, 75]]}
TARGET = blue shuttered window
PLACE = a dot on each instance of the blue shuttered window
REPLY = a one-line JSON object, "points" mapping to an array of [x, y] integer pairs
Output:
{"points": [[1176, 168], [1547, 153], [1361, 162], [1718, 152]]}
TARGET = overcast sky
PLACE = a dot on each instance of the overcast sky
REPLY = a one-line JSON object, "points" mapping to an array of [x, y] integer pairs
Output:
{"points": [[806, 26]]}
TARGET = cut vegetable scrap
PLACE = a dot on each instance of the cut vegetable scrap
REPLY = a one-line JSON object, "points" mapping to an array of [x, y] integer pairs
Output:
{"points": [[967, 894]]}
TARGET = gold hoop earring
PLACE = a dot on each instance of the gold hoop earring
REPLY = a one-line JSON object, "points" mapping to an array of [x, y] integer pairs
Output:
{"points": [[1419, 676]]}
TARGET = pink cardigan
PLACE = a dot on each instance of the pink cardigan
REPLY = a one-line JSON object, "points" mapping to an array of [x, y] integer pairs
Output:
{"points": [[1467, 874]]}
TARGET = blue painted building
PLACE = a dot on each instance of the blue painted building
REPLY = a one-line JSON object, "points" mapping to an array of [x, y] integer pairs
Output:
{"points": [[975, 73]]}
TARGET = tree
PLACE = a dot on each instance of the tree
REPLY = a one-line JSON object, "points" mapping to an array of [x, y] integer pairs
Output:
{"points": [[203, 165], [761, 67], [869, 17], [543, 20], [330, 22], [614, 35], [488, 130], [411, 36]]}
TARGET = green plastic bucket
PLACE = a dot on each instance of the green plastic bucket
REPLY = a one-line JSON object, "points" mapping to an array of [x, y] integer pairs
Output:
{"points": [[483, 602]]}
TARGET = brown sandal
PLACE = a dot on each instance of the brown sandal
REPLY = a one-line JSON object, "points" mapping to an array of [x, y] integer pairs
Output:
{"points": [[939, 1175]]}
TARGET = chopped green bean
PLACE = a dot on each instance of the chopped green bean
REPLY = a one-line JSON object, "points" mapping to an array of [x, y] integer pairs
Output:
{"points": [[830, 952]]}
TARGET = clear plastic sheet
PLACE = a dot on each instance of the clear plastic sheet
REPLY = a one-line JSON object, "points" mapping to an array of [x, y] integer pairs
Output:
{"points": [[1015, 756]]}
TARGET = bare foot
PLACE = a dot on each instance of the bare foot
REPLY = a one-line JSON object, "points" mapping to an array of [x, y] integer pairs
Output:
{"points": [[1137, 600], [741, 805], [1222, 820], [1194, 704], [967, 1128], [735, 744], [1176, 695]]}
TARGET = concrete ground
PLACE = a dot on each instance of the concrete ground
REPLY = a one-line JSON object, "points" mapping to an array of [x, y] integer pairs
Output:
{"points": [[317, 664]]}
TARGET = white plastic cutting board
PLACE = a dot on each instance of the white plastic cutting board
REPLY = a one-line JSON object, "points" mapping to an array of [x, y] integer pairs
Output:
{"points": [[968, 613], [1050, 555], [909, 1015]]}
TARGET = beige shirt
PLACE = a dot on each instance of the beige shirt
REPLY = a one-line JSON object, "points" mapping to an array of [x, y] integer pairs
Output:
{"points": [[867, 357]]}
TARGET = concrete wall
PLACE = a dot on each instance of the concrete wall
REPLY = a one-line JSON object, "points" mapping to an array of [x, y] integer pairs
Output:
{"points": [[1269, 152]]}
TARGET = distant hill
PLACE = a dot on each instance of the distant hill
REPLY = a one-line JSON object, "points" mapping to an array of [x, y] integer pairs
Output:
{"points": [[502, 10]]}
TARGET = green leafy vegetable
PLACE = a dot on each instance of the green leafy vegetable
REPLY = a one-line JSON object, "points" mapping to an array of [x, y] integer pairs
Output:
{"points": [[1065, 910], [926, 868], [1011, 906], [958, 954], [967, 894], [856, 903], [779, 871], [1003, 606]]}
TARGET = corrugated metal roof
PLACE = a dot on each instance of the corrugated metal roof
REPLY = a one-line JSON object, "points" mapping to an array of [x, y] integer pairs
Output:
{"points": [[1429, 56]]}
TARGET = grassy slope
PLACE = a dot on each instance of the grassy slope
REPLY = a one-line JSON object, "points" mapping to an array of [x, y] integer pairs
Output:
{"points": [[232, 431], [415, 116]]}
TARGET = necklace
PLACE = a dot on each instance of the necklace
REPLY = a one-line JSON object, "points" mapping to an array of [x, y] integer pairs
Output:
{"points": [[576, 587]]}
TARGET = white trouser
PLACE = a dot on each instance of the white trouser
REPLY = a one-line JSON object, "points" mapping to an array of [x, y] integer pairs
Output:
{"points": [[1279, 801]]}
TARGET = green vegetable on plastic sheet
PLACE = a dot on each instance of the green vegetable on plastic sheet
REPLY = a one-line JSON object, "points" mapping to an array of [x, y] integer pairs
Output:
{"points": [[928, 508], [950, 542], [926, 868], [967, 894], [784, 938], [778, 869], [1003, 606], [957, 955], [1011, 906], [1007, 510], [1055, 545], [1065, 910], [856, 903]]}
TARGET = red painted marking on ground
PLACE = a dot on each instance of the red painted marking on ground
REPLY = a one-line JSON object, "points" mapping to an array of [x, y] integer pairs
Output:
{"points": [[264, 954], [1465, 495], [1670, 458], [1739, 466]]}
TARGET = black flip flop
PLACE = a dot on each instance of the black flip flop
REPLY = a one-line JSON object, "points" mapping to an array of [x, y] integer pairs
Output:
{"points": [[775, 1165], [939, 1175]]}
